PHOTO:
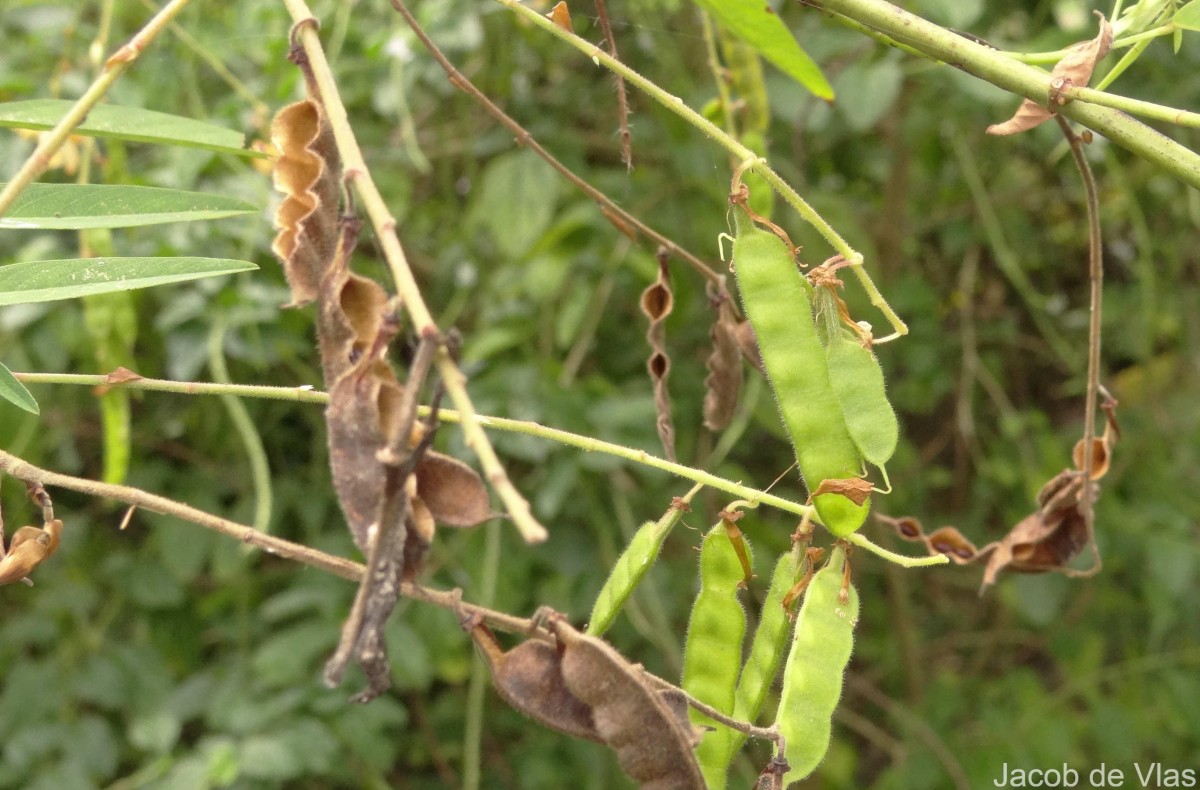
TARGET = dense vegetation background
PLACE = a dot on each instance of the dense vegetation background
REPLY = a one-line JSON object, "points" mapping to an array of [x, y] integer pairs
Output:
{"points": [[167, 656]]}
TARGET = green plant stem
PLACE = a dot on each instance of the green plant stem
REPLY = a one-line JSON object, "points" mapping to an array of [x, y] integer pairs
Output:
{"points": [[585, 443], [1033, 83], [1155, 112], [114, 67], [243, 423], [473, 728], [359, 176], [743, 154], [1038, 58]]}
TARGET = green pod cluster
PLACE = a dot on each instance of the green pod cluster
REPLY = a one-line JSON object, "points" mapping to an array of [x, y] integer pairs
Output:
{"points": [[777, 301], [766, 651], [857, 381], [713, 651], [816, 664]]}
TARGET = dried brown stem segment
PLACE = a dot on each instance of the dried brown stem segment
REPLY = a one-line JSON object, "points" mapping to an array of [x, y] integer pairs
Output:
{"points": [[657, 303]]}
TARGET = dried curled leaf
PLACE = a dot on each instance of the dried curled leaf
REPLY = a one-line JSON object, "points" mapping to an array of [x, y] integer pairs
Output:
{"points": [[561, 16], [1075, 69], [856, 489], [653, 746], [657, 302], [723, 383], [122, 376]]}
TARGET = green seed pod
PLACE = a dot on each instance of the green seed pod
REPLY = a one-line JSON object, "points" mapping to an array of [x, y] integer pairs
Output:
{"points": [[776, 297], [714, 649], [766, 651], [857, 381], [633, 564], [812, 678], [628, 572]]}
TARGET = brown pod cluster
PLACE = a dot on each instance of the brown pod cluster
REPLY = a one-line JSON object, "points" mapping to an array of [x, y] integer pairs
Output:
{"points": [[653, 746], [582, 687]]}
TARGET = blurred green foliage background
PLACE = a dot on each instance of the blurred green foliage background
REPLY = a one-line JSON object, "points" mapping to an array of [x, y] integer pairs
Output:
{"points": [[166, 656]]}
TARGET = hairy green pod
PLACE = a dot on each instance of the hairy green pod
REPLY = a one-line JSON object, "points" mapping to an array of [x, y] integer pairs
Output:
{"points": [[627, 573], [714, 649], [816, 664], [766, 651], [857, 381], [776, 297]]}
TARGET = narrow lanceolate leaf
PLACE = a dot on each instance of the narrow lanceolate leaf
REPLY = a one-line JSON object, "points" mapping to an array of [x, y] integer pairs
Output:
{"points": [[80, 206], [14, 391], [755, 23], [48, 281], [126, 123]]}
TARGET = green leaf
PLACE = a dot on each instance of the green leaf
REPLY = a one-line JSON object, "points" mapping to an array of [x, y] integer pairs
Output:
{"points": [[754, 22], [78, 206], [48, 281], [516, 201], [1188, 17], [14, 391], [126, 123]]}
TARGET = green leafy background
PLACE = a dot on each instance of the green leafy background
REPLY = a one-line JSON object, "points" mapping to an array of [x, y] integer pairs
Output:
{"points": [[165, 656]]}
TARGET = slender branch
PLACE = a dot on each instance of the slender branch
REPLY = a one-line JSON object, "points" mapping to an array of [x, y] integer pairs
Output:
{"points": [[1120, 43], [567, 438], [619, 217], [771, 733], [903, 560], [338, 566], [743, 154], [1096, 281], [1033, 83], [23, 470], [384, 223], [1155, 112], [113, 69], [622, 101]]}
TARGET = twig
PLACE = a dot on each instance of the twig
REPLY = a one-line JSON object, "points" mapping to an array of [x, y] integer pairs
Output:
{"points": [[1096, 280], [621, 219], [586, 443], [622, 102], [114, 67], [771, 733], [384, 223], [338, 566]]}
